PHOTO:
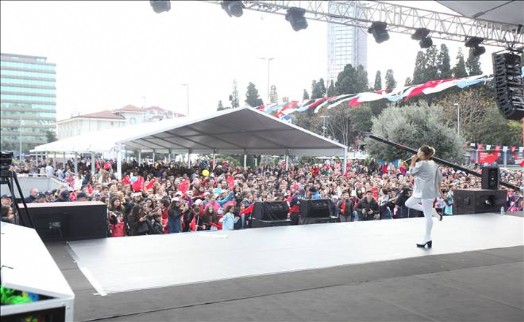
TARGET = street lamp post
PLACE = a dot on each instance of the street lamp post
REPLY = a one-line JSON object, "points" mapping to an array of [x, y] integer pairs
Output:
{"points": [[269, 59], [187, 96], [458, 117], [324, 126]]}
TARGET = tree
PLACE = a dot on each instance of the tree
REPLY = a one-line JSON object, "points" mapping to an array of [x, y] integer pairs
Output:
{"points": [[473, 64], [220, 106], [426, 66], [233, 98], [352, 81], [331, 89], [273, 95], [418, 73], [391, 83], [413, 126], [444, 68], [318, 89], [51, 136], [305, 96], [459, 71], [252, 98], [378, 81]]}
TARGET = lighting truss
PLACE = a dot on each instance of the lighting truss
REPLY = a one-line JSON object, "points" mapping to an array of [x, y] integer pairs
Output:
{"points": [[400, 19]]}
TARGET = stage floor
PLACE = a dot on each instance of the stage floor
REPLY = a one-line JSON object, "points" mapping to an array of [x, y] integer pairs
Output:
{"points": [[116, 265]]}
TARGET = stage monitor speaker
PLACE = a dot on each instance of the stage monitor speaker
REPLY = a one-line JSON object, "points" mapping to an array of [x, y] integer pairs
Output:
{"points": [[316, 208], [76, 220], [256, 223], [490, 177], [474, 201], [270, 210]]}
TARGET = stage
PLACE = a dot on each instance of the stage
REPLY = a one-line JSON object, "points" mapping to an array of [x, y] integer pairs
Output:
{"points": [[365, 271]]}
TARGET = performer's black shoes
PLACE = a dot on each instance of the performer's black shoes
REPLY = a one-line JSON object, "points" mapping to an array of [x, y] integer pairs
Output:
{"points": [[437, 214], [428, 243]]}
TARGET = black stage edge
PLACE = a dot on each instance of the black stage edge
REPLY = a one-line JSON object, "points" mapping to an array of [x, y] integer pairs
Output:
{"points": [[482, 285]]}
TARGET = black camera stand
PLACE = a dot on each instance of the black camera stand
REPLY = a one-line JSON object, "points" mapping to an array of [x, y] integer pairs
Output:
{"points": [[9, 177]]}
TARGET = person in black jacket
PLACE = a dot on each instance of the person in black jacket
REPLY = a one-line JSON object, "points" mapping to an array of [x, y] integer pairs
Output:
{"points": [[367, 207]]}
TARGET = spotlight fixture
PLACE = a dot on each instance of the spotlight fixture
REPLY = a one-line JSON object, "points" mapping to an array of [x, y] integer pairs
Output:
{"points": [[160, 6], [296, 18], [233, 8], [379, 32], [421, 34], [474, 42]]}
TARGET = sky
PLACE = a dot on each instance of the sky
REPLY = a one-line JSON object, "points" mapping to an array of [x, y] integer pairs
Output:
{"points": [[109, 54]]}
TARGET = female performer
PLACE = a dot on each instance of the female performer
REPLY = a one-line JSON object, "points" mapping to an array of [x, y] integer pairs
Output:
{"points": [[426, 189]]}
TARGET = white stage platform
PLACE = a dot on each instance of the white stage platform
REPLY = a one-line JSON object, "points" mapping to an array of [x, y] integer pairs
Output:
{"points": [[133, 263]]}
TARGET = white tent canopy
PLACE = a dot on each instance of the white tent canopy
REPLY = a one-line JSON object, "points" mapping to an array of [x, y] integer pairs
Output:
{"points": [[234, 131]]}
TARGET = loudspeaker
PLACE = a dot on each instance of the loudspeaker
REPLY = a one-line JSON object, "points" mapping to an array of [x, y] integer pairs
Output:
{"points": [[75, 220], [270, 210], [490, 178], [508, 84], [256, 223], [474, 201], [318, 208]]}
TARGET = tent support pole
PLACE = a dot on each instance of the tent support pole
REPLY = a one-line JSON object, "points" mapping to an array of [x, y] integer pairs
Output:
{"points": [[139, 157], [245, 161], [92, 164], [119, 163], [76, 163]]}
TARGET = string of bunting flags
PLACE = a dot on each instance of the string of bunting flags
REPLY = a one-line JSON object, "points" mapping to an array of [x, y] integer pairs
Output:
{"points": [[281, 110]]}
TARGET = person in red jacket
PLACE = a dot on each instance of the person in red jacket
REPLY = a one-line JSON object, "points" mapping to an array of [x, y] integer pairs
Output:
{"points": [[117, 224]]}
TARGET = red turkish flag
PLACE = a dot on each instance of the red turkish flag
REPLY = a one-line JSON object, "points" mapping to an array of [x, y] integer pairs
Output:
{"points": [[138, 184], [126, 180], [184, 186], [231, 182], [151, 184]]}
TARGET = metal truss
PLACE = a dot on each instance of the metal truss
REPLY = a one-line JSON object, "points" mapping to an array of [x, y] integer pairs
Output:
{"points": [[399, 19]]}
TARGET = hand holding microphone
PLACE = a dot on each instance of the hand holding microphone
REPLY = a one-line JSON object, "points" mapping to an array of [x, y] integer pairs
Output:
{"points": [[411, 159]]}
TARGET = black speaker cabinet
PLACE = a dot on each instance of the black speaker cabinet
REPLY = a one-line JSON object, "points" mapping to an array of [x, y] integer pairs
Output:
{"points": [[474, 201], [256, 223], [318, 208], [74, 220], [270, 210], [490, 178]]}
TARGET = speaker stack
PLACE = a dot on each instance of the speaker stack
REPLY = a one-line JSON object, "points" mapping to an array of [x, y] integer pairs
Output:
{"points": [[64, 221], [509, 85], [270, 214], [490, 178], [316, 211], [475, 201]]}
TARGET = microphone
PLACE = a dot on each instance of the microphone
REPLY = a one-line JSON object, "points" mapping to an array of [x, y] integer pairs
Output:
{"points": [[409, 160]]}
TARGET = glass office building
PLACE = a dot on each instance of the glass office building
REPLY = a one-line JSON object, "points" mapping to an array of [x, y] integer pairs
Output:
{"points": [[346, 45], [28, 102]]}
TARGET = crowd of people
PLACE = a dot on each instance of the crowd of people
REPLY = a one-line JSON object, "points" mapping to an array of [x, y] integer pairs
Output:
{"points": [[170, 197]]}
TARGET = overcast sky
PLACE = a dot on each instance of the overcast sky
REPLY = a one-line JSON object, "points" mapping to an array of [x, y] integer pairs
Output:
{"points": [[110, 54]]}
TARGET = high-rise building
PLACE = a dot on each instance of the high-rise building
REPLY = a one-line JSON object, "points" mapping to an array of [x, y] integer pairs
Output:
{"points": [[28, 102], [346, 45]]}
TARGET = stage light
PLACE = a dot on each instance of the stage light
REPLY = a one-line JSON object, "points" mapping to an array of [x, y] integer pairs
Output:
{"points": [[296, 18], [425, 43], [474, 42], [379, 32], [160, 6], [233, 8], [421, 34]]}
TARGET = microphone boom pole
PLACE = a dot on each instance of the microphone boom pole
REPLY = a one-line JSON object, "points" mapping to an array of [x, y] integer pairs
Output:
{"points": [[438, 160]]}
